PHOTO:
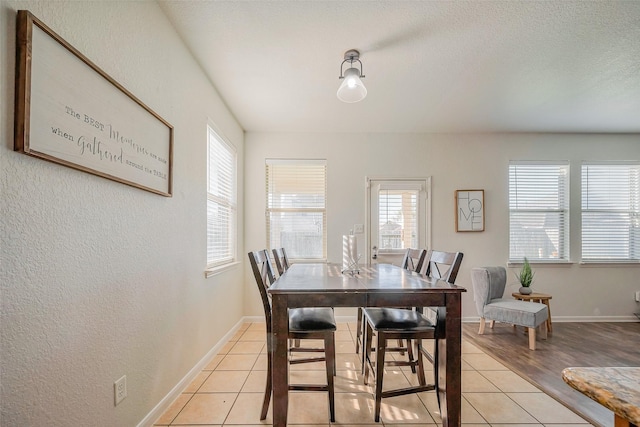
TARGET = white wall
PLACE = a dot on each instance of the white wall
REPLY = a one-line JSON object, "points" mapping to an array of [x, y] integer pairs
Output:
{"points": [[100, 279], [454, 162]]}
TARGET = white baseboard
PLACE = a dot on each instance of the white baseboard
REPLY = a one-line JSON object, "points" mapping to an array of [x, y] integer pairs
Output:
{"points": [[577, 319], [587, 319], [558, 319], [175, 392]]}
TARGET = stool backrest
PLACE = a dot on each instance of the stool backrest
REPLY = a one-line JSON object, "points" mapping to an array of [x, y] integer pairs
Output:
{"points": [[282, 260], [443, 265], [414, 259], [263, 273]]}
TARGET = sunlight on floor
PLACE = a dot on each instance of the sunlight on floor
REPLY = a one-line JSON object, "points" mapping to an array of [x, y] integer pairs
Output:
{"points": [[229, 391]]}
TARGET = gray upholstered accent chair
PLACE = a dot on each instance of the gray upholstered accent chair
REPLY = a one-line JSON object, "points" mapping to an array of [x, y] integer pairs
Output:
{"points": [[488, 289]]}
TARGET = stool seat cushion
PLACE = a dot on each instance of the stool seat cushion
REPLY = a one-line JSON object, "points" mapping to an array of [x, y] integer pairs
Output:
{"points": [[396, 318], [521, 313], [311, 319]]}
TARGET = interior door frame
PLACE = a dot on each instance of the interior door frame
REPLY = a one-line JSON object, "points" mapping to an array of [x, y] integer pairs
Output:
{"points": [[426, 181]]}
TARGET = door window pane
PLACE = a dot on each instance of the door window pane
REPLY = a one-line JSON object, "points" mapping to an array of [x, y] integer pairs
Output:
{"points": [[398, 219]]}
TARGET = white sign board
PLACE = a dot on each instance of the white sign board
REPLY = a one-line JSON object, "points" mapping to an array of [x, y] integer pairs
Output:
{"points": [[69, 111]]}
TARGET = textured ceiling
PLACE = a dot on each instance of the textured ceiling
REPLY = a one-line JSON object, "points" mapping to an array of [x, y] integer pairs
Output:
{"points": [[430, 66]]}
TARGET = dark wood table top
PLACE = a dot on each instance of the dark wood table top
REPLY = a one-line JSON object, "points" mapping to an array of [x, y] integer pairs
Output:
{"points": [[375, 278]]}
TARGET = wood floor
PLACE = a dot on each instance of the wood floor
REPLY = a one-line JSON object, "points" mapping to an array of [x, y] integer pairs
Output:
{"points": [[570, 344]]}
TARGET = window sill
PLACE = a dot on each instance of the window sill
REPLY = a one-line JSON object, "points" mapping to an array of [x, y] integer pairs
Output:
{"points": [[220, 269], [603, 263], [541, 263]]}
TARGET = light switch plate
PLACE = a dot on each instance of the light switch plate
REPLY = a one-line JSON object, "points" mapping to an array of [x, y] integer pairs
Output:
{"points": [[358, 228]]}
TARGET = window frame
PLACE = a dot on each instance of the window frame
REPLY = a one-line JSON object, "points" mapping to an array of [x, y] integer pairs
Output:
{"points": [[564, 240], [231, 203], [420, 188], [269, 209], [633, 211]]}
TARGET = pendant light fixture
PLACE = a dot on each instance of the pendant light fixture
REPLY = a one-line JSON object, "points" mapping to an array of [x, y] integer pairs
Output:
{"points": [[352, 89]]}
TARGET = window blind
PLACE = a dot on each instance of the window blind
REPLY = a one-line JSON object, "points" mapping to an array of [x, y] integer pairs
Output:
{"points": [[538, 211], [296, 207], [610, 212], [221, 201]]}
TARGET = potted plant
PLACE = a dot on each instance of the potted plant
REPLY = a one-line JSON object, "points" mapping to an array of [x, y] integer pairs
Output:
{"points": [[525, 277]]}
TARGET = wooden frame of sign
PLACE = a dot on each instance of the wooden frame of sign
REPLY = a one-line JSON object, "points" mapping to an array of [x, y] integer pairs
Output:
{"points": [[69, 111]]}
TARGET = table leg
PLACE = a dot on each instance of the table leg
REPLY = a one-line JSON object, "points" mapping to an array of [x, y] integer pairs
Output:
{"points": [[618, 421], [450, 363], [280, 371], [545, 301], [549, 328]]}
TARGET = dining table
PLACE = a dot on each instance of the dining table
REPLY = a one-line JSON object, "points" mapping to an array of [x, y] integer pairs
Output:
{"points": [[375, 285]]}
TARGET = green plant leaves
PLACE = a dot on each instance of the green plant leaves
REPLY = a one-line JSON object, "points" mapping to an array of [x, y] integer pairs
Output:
{"points": [[525, 277]]}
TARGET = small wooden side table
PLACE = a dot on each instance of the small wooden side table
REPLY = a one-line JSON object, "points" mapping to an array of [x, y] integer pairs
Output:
{"points": [[536, 297]]}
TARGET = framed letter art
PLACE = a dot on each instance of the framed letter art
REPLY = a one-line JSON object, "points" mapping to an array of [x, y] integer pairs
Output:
{"points": [[470, 210], [69, 111]]}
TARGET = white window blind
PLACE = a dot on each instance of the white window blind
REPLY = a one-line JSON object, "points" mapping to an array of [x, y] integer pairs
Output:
{"points": [[611, 212], [221, 201], [296, 207], [538, 211], [398, 217]]}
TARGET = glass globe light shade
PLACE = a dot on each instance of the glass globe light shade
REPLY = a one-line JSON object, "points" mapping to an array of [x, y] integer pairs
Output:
{"points": [[352, 89]]}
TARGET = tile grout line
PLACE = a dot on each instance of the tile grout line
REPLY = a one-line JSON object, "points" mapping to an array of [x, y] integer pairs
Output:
{"points": [[354, 369]]}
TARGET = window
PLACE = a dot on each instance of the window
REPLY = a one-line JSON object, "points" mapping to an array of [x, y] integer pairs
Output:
{"points": [[611, 212], [538, 211], [221, 201], [296, 207]]}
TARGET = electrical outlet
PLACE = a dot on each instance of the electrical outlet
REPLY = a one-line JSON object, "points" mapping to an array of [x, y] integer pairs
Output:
{"points": [[638, 296], [120, 389]]}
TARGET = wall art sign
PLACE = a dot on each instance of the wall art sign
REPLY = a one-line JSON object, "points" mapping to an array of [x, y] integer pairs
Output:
{"points": [[469, 210], [69, 111]]}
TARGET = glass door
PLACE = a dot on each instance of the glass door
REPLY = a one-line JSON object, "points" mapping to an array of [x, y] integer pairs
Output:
{"points": [[398, 218]]}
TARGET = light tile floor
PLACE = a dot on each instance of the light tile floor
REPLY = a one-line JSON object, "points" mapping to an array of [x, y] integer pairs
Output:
{"points": [[229, 391]]}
